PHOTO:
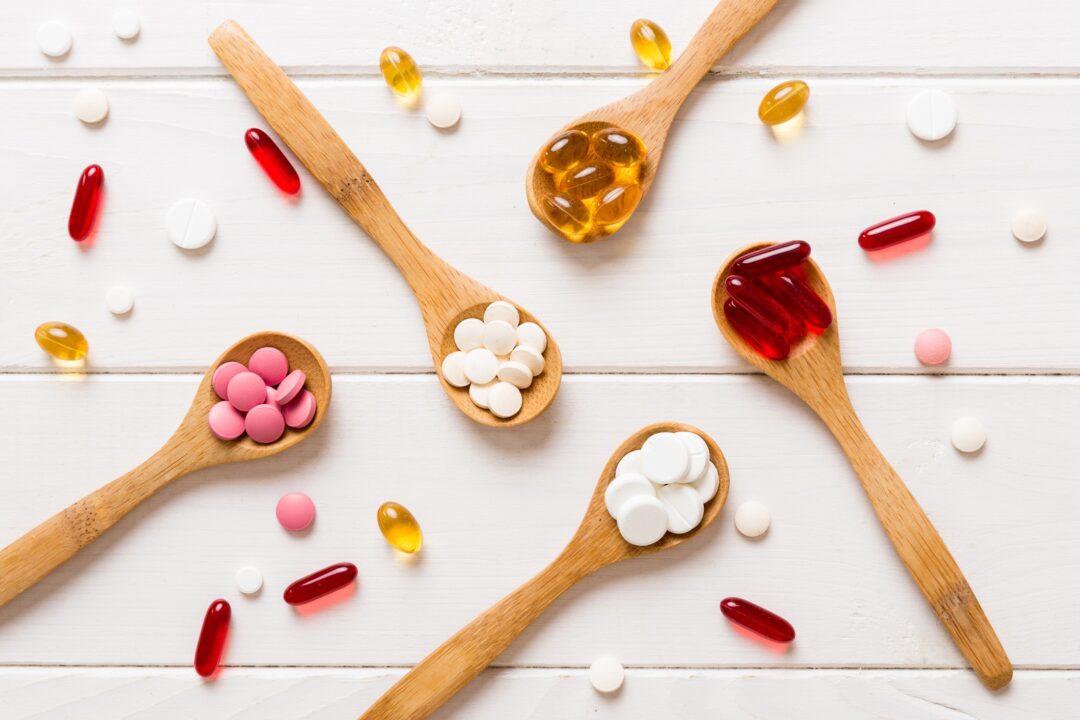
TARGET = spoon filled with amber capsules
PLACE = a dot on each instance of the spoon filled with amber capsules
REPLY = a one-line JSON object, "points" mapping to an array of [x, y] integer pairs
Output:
{"points": [[773, 305], [586, 181], [497, 362]]}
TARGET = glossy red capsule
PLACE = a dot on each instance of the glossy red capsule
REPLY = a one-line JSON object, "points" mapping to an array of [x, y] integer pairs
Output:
{"points": [[215, 630], [760, 335], [756, 298], [84, 208], [771, 259], [800, 299], [319, 583], [897, 230], [272, 160], [753, 617]]}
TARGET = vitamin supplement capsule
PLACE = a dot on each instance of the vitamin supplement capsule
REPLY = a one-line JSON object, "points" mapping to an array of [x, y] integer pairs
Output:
{"points": [[401, 72], [587, 181], [756, 618], [62, 341], [770, 259], [272, 161], [319, 583], [399, 527], [84, 208], [567, 215], [615, 206], [565, 152], [800, 300], [215, 629], [618, 147], [758, 334], [651, 44], [897, 230], [783, 102], [756, 298]]}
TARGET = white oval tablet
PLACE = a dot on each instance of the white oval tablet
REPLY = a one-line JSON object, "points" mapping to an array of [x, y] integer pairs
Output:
{"points": [[126, 23], [453, 369], [499, 337], [531, 334], [528, 357], [664, 458], [249, 579], [642, 520], [630, 462], [479, 394], [1028, 225], [469, 334], [502, 310], [931, 115], [515, 373], [752, 519], [683, 505], [968, 434], [481, 365], [443, 110], [606, 674], [504, 400], [119, 300], [699, 455], [90, 105], [190, 224], [708, 484], [54, 38], [624, 487]]}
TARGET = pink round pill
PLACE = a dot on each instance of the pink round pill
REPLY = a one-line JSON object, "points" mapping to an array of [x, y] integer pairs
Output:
{"points": [[246, 390], [270, 364], [290, 387], [226, 421], [295, 511], [301, 411], [222, 376], [264, 423], [933, 347]]}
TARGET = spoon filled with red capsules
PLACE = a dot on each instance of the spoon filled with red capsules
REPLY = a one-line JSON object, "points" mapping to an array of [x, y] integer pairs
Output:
{"points": [[774, 306]]}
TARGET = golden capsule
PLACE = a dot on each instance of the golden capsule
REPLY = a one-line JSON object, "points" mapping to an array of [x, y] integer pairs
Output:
{"points": [[399, 527], [567, 215], [566, 151], [783, 102], [651, 44], [586, 181], [618, 147], [401, 72], [616, 206], [62, 341]]}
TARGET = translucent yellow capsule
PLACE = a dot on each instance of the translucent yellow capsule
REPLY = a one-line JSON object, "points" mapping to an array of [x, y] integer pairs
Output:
{"points": [[618, 147], [566, 151], [62, 341], [401, 72], [586, 181], [783, 102], [399, 527], [567, 215], [651, 44], [615, 206]]}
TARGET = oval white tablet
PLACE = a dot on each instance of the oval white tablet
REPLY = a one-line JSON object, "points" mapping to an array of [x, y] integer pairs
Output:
{"points": [[453, 369], [481, 365], [443, 110], [606, 674], [624, 487], [528, 357], [699, 455], [249, 579], [708, 484], [968, 434], [931, 115], [126, 23], [119, 300], [683, 505], [630, 462], [515, 373], [499, 337], [1028, 225], [502, 310], [469, 334], [54, 38], [90, 105], [664, 458], [504, 400], [642, 520], [479, 394], [752, 519], [531, 334], [190, 224]]}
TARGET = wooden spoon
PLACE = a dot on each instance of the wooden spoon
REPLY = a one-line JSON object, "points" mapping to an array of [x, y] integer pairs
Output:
{"points": [[446, 296], [596, 543], [814, 373], [192, 447], [649, 112]]}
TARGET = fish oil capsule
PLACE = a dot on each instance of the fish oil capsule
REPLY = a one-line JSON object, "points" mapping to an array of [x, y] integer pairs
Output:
{"points": [[272, 161], [757, 299], [399, 527], [759, 334], [801, 300], [566, 151], [319, 583], [84, 208], [401, 72], [586, 182], [783, 102], [618, 147], [215, 630], [62, 341], [651, 44], [899, 229], [615, 206], [757, 619], [771, 259], [567, 215]]}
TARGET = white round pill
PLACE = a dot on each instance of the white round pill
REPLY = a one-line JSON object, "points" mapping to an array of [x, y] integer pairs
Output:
{"points": [[443, 110], [479, 393], [642, 520], [1028, 225], [469, 334], [968, 434], [683, 505], [499, 337], [664, 458], [931, 115], [90, 105], [708, 484], [126, 23], [502, 310], [630, 462], [752, 519], [515, 373], [453, 369], [606, 674], [624, 487], [190, 224], [249, 579], [119, 300], [481, 365], [699, 455], [504, 400], [531, 334], [54, 38], [528, 357]]}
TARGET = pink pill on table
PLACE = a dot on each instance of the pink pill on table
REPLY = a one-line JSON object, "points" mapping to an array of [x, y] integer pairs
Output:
{"points": [[270, 364], [301, 411], [222, 376], [933, 347], [246, 390], [226, 421], [290, 387], [295, 511], [264, 423]]}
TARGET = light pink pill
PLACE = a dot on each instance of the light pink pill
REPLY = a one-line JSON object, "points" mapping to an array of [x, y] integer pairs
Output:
{"points": [[226, 421], [295, 511], [222, 376], [301, 411], [290, 387], [933, 347], [270, 364], [246, 390], [264, 423]]}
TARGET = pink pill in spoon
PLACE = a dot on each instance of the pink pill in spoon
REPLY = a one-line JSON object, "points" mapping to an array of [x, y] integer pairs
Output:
{"points": [[301, 411], [264, 423], [290, 387], [270, 364], [246, 390], [222, 376], [295, 511], [226, 421]]}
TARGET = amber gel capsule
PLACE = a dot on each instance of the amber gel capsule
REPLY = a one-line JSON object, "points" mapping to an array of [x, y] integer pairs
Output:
{"points": [[399, 527], [401, 72], [62, 341], [651, 44], [272, 160], [783, 102], [568, 215], [84, 208], [565, 152], [319, 583], [215, 629], [753, 617]]}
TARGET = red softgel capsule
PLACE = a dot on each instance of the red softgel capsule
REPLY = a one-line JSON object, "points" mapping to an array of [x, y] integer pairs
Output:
{"points": [[319, 583], [272, 160], [759, 334], [771, 259], [84, 208], [899, 229], [801, 300], [215, 630], [757, 298], [753, 617]]}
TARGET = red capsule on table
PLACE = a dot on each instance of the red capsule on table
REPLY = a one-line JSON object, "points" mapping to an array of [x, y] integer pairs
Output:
{"points": [[215, 630], [319, 583], [756, 298], [801, 300], [272, 160], [760, 335], [84, 208], [897, 230], [753, 617], [771, 259]]}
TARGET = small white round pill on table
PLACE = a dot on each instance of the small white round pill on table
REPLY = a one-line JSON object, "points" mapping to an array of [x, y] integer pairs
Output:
{"points": [[469, 334], [453, 369], [664, 458], [126, 23], [931, 115], [502, 310], [1028, 225], [531, 334], [528, 357], [699, 455], [683, 505], [624, 487], [443, 110], [499, 337], [249, 579], [119, 300], [190, 224], [630, 462], [752, 519], [90, 105], [606, 674], [479, 393], [515, 373], [968, 434], [642, 520], [708, 484], [504, 400], [481, 366], [54, 38]]}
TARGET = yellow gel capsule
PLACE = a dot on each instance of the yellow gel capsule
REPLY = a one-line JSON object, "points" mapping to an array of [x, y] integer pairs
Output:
{"points": [[618, 147], [62, 341], [615, 206], [399, 527], [651, 44], [566, 151], [783, 102], [567, 215], [587, 181], [401, 72]]}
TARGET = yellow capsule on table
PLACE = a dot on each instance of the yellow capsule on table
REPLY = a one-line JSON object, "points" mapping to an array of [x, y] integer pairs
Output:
{"points": [[618, 147], [616, 206], [567, 215], [565, 151], [401, 72], [783, 102], [651, 44], [62, 341], [399, 527]]}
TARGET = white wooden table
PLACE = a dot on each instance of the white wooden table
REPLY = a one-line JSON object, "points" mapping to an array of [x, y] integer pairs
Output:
{"points": [[111, 634]]}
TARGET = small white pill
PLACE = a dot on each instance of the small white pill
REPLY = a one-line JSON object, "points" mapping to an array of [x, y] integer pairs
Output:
{"points": [[453, 369], [479, 394], [481, 366], [528, 357], [502, 310], [190, 224], [533, 335], [499, 337], [642, 520], [515, 373], [1028, 225], [443, 110], [119, 300], [90, 105], [683, 505], [54, 38], [664, 458], [504, 400], [699, 455], [931, 115], [606, 674], [469, 334], [249, 579], [968, 434], [752, 519], [708, 484], [624, 487], [630, 463], [126, 23]]}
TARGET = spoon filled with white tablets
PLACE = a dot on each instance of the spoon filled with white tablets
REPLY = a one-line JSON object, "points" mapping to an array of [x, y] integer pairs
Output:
{"points": [[666, 483]]}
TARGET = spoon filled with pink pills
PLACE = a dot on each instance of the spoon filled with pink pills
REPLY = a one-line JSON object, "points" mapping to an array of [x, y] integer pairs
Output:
{"points": [[264, 395]]}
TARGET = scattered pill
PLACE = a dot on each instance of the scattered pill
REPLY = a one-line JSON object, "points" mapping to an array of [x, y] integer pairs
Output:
{"points": [[504, 400], [453, 369], [469, 334], [226, 422], [752, 519], [54, 38], [64, 342], [515, 373], [630, 462], [295, 511], [399, 527], [968, 434], [528, 357], [301, 411], [708, 484], [119, 300], [1028, 225], [91, 105], [211, 645], [443, 110], [651, 44], [699, 455], [757, 619], [480, 394], [401, 72], [642, 520], [224, 373], [246, 390], [273, 162], [624, 487], [532, 335], [606, 674], [290, 387], [249, 579], [270, 364], [481, 366], [190, 224], [900, 229], [931, 115], [783, 102], [264, 423], [504, 311], [664, 458], [500, 337], [319, 583], [126, 24], [933, 347], [86, 203], [683, 505]]}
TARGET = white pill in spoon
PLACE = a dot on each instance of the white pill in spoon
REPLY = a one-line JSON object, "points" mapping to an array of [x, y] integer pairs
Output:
{"points": [[531, 334], [642, 520], [502, 310], [499, 337], [469, 334], [664, 458], [630, 462], [515, 373], [190, 224], [481, 365], [480, 393], [453, 369], [624, 487], [699, 455], [528, 357], [504, 400], [708, 484], [683, 505]]}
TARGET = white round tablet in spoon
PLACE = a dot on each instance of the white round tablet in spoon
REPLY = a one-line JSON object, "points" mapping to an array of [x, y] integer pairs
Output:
{"points": [[708, 484], [469, 334], [683, 505], [502, 310], [504, 401], [664, 458], [642, 520], [699, 455], [624, 487], [453, 369], [630, 462]]}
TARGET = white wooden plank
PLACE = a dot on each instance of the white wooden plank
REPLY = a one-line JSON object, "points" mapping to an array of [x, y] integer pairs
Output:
{"points": [[497, 506], [304, 267]]}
